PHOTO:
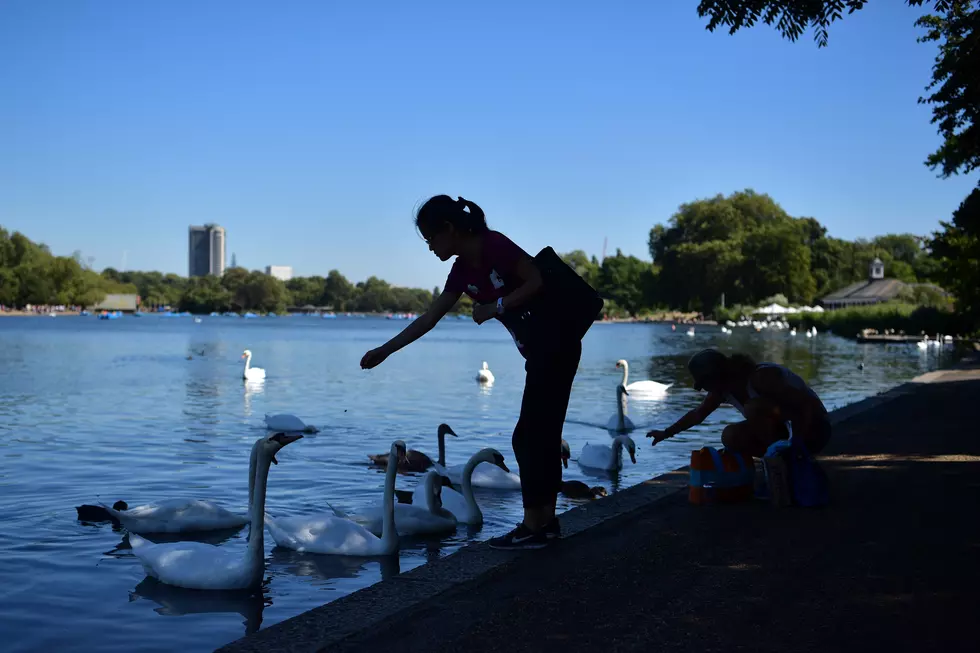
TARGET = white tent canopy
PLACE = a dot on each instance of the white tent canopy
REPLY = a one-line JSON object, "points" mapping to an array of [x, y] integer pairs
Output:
{"points": [[772, 309]]}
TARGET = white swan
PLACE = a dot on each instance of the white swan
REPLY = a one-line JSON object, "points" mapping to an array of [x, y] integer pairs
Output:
{"points": [[607, 457], [640, 387], [484, 375], [329, 533], [792, 332], [287, 422], [251, 373], [924, 343], [425, 515], [177, 515], [486, 474], [690, 332], [464, 506], [200, 566], [620, 422]]}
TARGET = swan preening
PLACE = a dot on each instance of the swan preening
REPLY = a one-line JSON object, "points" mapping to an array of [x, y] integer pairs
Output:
{"points": [[619, 422], [251, 373], [416, 461], [196, 565], [608, 457], [289, 423], [640, 388], [331, 533], [484, 375]]}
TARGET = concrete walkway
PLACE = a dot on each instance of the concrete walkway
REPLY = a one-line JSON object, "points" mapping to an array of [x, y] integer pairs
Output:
{"points": [[893, 564]]}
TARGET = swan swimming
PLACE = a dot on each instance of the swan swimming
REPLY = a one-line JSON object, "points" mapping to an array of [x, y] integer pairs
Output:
{"points": [[463, 506], [174, 515], [196, 565], [490, 476], [251, 373], [287, 422], [425, 517], [608, 457], [332, 534], [416, 461], [640, 387], [484, 375], [487, 474], [620, 422]]}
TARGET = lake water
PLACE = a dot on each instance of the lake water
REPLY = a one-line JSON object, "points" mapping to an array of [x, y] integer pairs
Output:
{"points": [[114, 409]]}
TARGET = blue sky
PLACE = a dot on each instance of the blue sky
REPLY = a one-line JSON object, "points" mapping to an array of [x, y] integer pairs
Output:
{"points": [[311, 130]]}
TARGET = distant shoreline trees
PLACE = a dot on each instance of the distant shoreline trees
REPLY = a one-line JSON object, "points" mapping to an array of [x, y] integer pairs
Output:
{"points": [[740, 249]]}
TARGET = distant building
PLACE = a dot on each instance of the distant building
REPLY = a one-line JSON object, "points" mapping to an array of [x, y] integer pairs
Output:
{"points": [[206, 251], [281, 272], [125, 303], [875, 290]]}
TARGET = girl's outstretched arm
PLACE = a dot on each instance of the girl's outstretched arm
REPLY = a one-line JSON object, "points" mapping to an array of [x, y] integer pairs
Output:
{"points": [[418, 328]]}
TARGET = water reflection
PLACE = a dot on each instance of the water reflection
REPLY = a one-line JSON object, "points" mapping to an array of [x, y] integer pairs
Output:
{"points": [[330, 568], [178, 601], [215, 538], [253, 388]]}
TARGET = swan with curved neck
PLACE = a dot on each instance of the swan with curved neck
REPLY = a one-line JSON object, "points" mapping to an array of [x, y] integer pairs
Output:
{"points": [[464, 505], [424, 517], [640, 387], [332, 534], [251, 373], [619, 422], [416, 461], [608, 457], [196, 565]]}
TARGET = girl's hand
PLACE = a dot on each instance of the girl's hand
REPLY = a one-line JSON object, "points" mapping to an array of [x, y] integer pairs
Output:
{"points": [[658, 436], [484, 312], [373, 358]]}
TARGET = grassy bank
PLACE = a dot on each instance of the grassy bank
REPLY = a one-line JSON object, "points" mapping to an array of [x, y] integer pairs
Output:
{"points": [[907, 318]]}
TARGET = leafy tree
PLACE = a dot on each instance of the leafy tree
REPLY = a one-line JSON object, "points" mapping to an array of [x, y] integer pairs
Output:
{"points": [[792, 17], [778, 261], [623, 279], [306, 291], [337, 291], [586, 268], [957, 247], [9, 287]]}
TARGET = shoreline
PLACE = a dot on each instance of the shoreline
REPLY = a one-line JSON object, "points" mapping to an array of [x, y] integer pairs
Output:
{"points": [[414, 593]]}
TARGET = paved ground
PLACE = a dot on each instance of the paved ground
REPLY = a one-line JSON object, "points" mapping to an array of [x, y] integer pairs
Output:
{"points": [[893, 564]]}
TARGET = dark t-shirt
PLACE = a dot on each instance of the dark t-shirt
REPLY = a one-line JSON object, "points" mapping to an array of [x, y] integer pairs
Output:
{"points": [[494, 278]]}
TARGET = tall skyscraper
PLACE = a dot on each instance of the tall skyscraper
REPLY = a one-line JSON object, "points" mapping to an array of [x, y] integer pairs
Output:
{"points": [[206, 251]]}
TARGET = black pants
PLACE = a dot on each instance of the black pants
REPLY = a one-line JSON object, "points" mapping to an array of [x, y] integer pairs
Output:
{"points": [[537, 436]]}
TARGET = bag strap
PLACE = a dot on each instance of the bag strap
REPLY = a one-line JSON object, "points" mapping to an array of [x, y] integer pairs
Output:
{"points": [[739, 459], [716, 457]]}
